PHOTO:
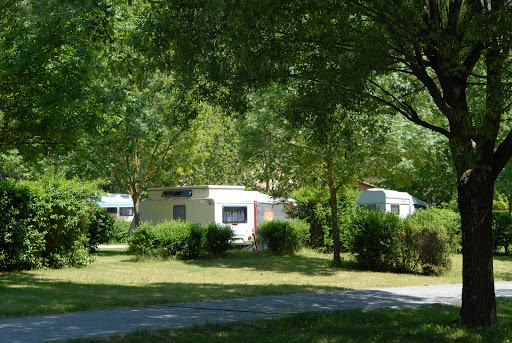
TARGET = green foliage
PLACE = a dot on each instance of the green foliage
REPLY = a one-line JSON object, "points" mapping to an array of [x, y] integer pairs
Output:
{"points": [[312, 206], [282, 237], [425, 239], [501, 231], [180, 239], [435, 235], [101, 229], [218, 237], [45, 223], [184, 240], [376, 242], [120, 231], [47, 57], [21, 244], [143, 240], [64, 214]]}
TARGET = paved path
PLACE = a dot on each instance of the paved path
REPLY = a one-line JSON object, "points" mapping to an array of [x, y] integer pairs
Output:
{"points": [[109, 322]]}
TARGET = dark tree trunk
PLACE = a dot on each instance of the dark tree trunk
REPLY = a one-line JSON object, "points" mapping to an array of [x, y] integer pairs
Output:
{"points": [[136, 209], [475, 194]]}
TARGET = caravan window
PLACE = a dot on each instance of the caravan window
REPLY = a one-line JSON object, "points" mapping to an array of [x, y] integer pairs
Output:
{"points": [[371, 207], [395, 208], [111, 210], [234, 214], [181, 193], [126, 211], [179, 212]]}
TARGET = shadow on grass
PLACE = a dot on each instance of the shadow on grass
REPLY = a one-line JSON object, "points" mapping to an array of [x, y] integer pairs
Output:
{"points": [[434, 323], [23, 294], [306, 265]]}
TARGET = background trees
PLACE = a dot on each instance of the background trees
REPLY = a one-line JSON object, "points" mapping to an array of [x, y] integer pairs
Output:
{"points": [[432, 52], [47, 57]]}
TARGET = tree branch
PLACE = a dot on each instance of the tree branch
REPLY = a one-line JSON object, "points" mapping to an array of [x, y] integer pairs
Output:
{"points": [[407, 111]]}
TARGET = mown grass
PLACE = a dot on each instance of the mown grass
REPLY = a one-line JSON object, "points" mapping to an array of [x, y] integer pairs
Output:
{"points": [[429, 324], [117, 279]]}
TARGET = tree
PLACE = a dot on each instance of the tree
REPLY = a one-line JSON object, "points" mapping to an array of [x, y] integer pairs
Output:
{"points": [[453, 54], [143, 136], [417, 161], [47, 56]]}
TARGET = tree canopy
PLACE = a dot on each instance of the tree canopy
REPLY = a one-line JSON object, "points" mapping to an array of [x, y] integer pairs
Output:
{"points": [[453, 54]]}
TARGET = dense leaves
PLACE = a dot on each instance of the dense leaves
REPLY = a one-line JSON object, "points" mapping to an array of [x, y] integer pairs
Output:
{"points": [[47, 57], [45, 223]]}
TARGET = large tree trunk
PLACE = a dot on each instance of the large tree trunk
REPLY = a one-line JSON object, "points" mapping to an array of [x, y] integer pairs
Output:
{"points": [[475, 195]]}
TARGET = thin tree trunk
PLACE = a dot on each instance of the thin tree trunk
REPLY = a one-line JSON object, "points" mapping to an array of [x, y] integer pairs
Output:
{"points": [[475, 194], [333, 190]]}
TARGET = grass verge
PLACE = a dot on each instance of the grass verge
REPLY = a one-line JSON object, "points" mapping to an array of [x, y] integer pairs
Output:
{"points": [[427, 324], [116, 279]]}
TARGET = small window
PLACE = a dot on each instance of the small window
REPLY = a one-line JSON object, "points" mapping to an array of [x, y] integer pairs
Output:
{"points": [[395, 208], [126, 211], [234, 214], [179, 212], [182, 193], [371, 207], [111, 210]]}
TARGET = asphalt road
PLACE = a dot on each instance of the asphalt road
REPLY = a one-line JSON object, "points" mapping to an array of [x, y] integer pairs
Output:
{"points": [[123, 320]]}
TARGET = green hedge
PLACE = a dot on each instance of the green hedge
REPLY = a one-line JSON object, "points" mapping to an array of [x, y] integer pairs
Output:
{"points": [[436, 233], [45, 223], [377, 242], [185, 240], [501, 231], [21, 241], [283, 236], [218, 237], [423, 241]]}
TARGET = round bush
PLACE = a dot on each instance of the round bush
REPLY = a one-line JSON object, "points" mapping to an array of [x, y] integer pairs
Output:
{"points": [[282, 236], [436, 234], [375, 240], [218, 237]]}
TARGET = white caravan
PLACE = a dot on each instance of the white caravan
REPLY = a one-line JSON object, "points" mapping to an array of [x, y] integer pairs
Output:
{"points": [[119, 206], [401, 203], [228, 205]]}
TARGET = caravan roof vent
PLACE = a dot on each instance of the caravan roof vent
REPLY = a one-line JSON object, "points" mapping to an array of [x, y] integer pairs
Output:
{"points": [[182, 193]]}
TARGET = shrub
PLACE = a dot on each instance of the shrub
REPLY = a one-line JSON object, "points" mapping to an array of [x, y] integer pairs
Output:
{"points": [[218, 237], [282, 236], [101, 229], [179, 238], [143, 240], [63, 214], [312, 206], [376, 242], [21, 244], [44, 223], [425, 239], [120, 231], [168, 238], [435, 234], [501, 231]]}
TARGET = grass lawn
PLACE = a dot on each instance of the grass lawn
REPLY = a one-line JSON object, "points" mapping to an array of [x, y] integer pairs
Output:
{"points": [[116, 279]]}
